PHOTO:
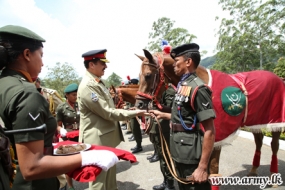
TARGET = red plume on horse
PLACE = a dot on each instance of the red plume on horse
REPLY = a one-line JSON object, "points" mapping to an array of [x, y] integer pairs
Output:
{"points": [[166, 48]]}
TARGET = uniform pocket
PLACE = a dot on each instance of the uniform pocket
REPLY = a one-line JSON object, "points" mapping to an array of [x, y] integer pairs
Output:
{"points": [[186, 147]]}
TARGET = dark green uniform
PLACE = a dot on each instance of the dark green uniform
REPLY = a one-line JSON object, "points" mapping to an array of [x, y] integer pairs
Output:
{"points": [[22, 106], [166, 101], [136, 129], [69, 117], [4, 176], [186, 145]]}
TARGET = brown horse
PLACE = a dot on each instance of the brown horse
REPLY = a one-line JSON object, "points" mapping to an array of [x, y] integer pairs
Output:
{"points": [[124, 93], [264, 108]]}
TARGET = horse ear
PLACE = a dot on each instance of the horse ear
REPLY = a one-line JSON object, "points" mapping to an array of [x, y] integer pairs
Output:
{"points": [[168, 60], [148, 55], [141, 57]]}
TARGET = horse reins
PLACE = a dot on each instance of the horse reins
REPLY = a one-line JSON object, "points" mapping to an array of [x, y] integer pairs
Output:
{"points": [[168, 159]]}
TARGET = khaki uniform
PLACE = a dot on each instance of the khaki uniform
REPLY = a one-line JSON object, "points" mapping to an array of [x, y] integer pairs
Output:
{"points": [[99, 123], [186, 145], [22, 106]]}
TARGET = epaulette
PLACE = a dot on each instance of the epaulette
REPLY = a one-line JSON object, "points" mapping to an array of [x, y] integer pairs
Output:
{"points": [[47, 90], [97, 80]]}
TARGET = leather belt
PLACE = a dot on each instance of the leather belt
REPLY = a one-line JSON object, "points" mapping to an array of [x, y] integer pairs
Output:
{"points": [[72, 126], [175, 127], [48, 150]]}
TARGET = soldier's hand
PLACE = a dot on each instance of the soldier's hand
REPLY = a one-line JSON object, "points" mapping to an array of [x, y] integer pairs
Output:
{"points": [[200, 175], [159, 114], [142, 113]]}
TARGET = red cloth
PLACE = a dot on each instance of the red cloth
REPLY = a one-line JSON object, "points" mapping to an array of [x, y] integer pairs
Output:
{"points": [[266, 101], [70, 135], [274, 164], [256, 159], [89, 173]]}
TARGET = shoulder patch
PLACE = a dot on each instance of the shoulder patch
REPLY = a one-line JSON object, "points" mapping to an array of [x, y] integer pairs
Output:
{"points": [[94, 97]]}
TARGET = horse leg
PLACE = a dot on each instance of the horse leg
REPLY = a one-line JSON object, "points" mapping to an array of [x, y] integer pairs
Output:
{"points": [[274, 148], [258, 137], [214, 165]]}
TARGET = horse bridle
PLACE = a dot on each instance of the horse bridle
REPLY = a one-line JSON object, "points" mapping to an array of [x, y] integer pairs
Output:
{"points": [[156, 89], [118, 99], [119, 96]]}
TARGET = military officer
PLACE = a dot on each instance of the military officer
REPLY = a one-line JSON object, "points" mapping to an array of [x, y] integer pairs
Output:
{"points": [[98, 116], [192, 105], [23, 107], [68, 114], [68, 117]]}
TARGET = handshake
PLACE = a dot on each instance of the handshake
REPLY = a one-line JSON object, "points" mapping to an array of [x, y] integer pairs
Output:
{"points": [[104, 159]]}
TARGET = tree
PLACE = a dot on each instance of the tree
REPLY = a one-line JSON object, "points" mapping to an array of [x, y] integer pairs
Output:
{"points": [[279, 70], [253, 37], [114, 80], [59, 76], [163, 29]]}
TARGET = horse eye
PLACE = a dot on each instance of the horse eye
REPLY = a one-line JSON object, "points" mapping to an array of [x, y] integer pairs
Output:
{"points": [[147, 76]]}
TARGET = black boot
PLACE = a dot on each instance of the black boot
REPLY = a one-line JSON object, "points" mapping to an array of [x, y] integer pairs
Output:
{"points": [[136, 149], [169, 185], [160, 187], [151, 156], [155, 158]]}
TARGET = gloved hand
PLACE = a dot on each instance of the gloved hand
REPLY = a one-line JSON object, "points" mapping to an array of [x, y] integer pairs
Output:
{"points": [[62, 132], [105, 159]]}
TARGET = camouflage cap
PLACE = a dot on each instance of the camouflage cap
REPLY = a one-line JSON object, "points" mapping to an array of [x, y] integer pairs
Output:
{"points": [[20, 31]]}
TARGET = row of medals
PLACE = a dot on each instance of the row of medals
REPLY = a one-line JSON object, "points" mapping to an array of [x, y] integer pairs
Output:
{"points": [[182, 94]]}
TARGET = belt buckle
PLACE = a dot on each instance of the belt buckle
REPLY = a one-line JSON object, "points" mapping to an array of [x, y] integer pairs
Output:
{"points": [[75, 126]]}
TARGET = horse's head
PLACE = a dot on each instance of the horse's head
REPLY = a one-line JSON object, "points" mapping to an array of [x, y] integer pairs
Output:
{"points": [[128, 92], [152, 80], [124, 93]]}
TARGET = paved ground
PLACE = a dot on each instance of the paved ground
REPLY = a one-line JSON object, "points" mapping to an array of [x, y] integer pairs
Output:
{"points": [[235, 160]]}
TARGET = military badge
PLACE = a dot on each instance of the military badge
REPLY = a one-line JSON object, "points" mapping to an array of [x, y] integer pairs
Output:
{"points": [[233, 101], [94, 97]]}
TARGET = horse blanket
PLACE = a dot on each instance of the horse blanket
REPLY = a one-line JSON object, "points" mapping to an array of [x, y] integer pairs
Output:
{"points": [[259, 104]]}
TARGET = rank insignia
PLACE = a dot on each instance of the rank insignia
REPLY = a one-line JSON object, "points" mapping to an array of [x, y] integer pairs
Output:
{"points": [[97, 80], [94, 97]]}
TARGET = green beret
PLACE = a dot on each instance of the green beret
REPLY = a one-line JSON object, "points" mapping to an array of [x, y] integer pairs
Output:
{"points": [[71, 88], [20, 31], [185, 48]]}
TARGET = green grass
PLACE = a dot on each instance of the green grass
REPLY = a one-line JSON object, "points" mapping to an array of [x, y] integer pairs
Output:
{"points": [[269, 134]]}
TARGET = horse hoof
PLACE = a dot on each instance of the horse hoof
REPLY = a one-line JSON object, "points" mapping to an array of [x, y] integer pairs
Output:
{"points": [[273, 185], [253, 174]]}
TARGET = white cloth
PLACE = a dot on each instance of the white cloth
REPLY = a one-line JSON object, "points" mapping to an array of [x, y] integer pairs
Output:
{"points": [[63, 132], [105, 159]]}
